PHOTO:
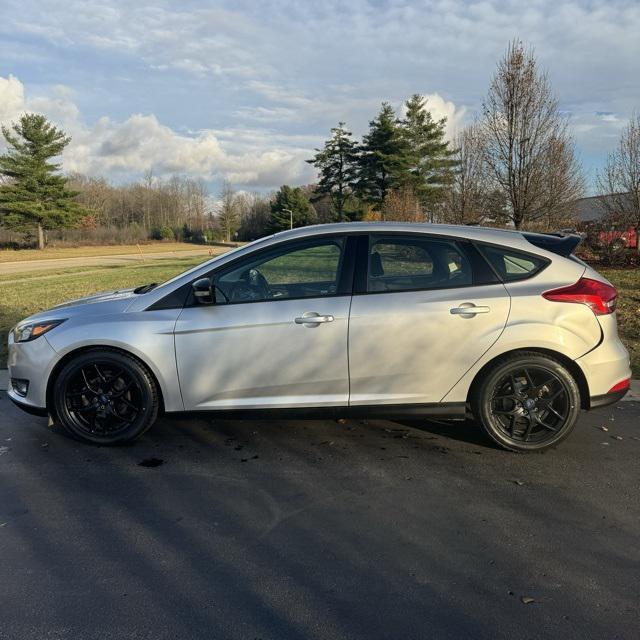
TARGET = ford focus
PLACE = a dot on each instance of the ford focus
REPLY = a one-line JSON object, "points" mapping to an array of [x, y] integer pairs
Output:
{"points": [[506, 328]]}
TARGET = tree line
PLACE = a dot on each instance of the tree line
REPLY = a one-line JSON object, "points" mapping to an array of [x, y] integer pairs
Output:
{"points": [[514, 165]]}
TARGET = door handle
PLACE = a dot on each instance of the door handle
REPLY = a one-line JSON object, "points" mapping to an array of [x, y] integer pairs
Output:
{"points": [[468, 309], [311, 318]]}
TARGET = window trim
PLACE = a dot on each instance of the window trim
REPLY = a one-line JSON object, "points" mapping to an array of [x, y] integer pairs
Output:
{"points": [[465, 245], [346, 269]]}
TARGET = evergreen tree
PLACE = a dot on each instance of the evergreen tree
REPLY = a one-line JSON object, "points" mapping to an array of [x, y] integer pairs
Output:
{"points": [[431, 163], [383, 158], [35, 194], [337, 164], [291, 207]]}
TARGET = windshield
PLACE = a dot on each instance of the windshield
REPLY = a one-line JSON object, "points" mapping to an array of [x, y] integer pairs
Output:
{"points": [[215, 259]]}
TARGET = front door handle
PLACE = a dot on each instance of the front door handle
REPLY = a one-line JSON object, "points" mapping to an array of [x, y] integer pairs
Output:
{"points": [[468, 309], [313, 319]]}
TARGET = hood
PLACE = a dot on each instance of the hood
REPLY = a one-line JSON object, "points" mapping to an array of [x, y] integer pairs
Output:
{"points": [[103, 296], [105, 303]]}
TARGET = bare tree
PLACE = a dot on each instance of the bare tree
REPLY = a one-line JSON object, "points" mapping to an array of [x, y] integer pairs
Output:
{"points": [[619, 182], [468, 197], [521, 124], [255, 215], [562, 184], [228, 214]]}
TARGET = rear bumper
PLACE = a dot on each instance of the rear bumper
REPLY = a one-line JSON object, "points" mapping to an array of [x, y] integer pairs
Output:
{"points": [[604, 400], [606, 366]]}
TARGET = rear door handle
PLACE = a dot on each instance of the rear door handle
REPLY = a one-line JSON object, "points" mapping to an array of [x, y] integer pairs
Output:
{"points": [[313, 319], [468, 309]]}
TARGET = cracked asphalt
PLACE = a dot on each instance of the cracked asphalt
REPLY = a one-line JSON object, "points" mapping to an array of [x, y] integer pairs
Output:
{"points": [[319, 529]]}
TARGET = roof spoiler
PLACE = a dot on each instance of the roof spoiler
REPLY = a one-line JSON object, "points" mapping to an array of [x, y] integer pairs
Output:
{"points": [[562, 244]]}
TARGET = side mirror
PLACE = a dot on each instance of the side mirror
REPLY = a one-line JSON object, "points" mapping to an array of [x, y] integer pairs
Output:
{"points": [[203, 291]]}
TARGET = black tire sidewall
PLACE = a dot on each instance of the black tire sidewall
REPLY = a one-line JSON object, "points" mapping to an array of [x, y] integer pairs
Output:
{"points": [[481, 403], [146, 417]]}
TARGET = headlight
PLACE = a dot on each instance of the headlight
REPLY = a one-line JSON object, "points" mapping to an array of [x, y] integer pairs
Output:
{"points": [[33, 330]]}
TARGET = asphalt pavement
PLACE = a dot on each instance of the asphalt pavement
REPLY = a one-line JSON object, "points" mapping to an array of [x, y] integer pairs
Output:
{"points": [[319, 529]]}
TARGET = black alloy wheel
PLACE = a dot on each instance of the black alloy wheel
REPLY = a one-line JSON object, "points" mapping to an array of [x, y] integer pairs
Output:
{"points": [[527, 402], [105, 397]]}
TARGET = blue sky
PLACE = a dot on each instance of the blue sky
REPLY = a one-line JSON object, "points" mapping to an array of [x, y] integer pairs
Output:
{"points": [[245, 90]]}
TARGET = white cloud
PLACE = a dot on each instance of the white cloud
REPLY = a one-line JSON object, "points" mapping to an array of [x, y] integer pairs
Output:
{"points": [[141, 143]]}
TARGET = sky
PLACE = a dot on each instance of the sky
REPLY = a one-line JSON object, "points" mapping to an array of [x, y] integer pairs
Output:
{"points": [[245, 90]]}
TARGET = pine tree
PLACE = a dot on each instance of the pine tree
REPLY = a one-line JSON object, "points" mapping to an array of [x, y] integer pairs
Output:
{"points": [[431, 163], [383, 158], [291, 208], [35, 194], [337, 165]]}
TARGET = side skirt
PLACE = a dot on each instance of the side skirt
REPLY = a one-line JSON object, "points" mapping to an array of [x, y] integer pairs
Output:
{"points": [[447, 411]]}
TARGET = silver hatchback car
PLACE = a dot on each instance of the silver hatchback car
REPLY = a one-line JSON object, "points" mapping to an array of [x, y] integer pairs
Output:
{"points": [[378, 319]]}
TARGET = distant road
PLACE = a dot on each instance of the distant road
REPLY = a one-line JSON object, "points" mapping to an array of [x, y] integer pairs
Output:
{"points": [[55, 264]]}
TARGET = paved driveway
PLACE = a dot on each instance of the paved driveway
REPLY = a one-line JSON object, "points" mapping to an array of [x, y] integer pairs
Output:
{"points": [[319, 529]]}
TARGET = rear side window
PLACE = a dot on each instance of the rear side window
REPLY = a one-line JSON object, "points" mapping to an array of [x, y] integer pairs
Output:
{"points": [[406, 263], [513, 265]]}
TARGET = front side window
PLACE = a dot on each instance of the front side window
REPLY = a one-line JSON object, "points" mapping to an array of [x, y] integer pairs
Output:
{"points": [[300, 270], [405, 263]]}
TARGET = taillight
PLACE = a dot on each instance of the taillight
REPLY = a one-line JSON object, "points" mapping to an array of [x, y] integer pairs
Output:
{"points": [[600, 297]]}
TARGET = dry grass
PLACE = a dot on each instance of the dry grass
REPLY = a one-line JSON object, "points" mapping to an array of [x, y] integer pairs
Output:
{"points": [[627, 282], [20, 255]]}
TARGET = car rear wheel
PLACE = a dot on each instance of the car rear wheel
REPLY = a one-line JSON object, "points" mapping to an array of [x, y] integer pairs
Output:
{"points": [[527, 402], [105, 397]]}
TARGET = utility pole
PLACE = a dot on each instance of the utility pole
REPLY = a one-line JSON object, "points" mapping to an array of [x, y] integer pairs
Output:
{"points": [[290, 217]]}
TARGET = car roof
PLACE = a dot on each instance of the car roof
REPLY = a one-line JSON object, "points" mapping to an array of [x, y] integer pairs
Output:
{"points": [[488, 234]]}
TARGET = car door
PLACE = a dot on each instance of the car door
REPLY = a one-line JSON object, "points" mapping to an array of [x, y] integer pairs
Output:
{"points": [[425, 309], [276, 335]]}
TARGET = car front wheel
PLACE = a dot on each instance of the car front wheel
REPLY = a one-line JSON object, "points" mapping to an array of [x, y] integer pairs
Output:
{"points": [[527, 402], [105, 397]]}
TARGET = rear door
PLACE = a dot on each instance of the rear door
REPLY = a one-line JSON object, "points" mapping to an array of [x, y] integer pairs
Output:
{"points": [[425, 310]]}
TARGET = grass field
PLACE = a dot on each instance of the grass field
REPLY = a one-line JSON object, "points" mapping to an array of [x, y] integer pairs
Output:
{"points": [[21, 255], [627, 282], [21, 296]]}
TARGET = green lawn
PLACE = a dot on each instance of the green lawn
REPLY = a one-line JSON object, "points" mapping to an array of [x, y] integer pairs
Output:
{"points": [[23, 295]]}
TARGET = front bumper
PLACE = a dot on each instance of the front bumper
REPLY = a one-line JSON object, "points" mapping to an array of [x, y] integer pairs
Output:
{"points": [[34, 411], [32, 361]]}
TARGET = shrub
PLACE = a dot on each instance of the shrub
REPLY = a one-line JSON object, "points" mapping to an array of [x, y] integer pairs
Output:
{"points": [[162, 233]]}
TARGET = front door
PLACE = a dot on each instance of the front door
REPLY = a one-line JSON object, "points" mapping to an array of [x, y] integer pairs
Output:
{"points": [[276, 335], [425, 317]]}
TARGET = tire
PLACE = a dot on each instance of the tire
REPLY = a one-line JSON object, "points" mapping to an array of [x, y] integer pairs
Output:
{"points": [[105, 397], [526, 402]]}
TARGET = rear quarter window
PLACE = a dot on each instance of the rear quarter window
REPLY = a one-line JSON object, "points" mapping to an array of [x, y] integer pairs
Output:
{"points": [[513, 265]]}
